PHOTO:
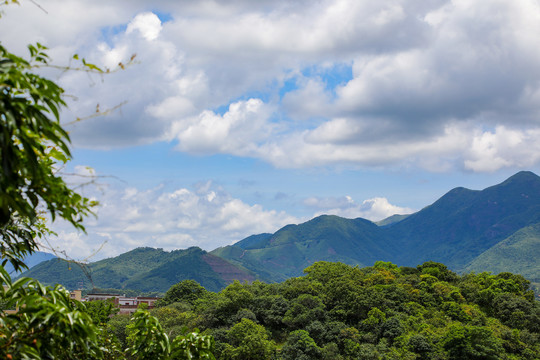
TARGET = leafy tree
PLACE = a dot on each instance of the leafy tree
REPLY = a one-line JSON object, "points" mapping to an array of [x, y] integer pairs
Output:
{"points": [[300, 346], [193, 346], [248, 341], [270, 310], [324, 272], [100, 311], [304, 310], [32, 147], [419, 344], [48, 324], [116, 327], [32, 143], [149, 341], [185, 291], [472, 342], [438, 270]]}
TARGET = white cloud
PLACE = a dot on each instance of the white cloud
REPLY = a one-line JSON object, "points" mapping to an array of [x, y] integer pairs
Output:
{"points": [[148, 25], [421, 73], [238, 131], [374, 209], [503, 147], [204, 216]]}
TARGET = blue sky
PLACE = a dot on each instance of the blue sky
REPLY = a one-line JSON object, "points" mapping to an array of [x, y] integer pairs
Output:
{"points": [[240, 117]]}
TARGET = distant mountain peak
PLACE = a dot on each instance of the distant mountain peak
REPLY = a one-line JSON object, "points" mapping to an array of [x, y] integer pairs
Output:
{"points": [[521, 177]]}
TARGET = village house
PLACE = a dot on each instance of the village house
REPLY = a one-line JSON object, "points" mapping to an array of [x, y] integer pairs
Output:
{"points": [[126, 304]]}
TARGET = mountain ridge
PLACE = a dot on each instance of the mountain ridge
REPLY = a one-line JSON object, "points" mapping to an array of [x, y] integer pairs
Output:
{"points": [[464, 229]]}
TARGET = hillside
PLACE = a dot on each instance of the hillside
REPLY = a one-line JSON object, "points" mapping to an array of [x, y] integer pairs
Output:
{"points": [[32, 260], [294, 247], [464, 223], [496, 229], [517, 253], [455, 230], [144, 269]]}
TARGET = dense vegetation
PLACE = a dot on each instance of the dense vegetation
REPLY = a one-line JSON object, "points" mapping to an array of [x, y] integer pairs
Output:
{"points": [[337, 311]]}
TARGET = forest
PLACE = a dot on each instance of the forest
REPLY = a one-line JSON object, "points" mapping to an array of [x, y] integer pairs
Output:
{"points": [[337, 311]]}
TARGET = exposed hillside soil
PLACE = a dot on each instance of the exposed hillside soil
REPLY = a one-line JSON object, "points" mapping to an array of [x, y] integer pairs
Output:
{"points": [[226, 270]]}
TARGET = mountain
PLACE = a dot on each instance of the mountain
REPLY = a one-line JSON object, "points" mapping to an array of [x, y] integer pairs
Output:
{"points": [[464, 223], [325, 238], [389, 221], [455, 230], [496, 229], [519, 253], [144, 269], [32, 260]]}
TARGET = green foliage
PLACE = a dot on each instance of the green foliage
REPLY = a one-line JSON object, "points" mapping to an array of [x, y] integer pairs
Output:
{"points": [[304, 310], [300, 346], [48, 324], [116, 328], [32, 145], [100, 311], [193, 346], [381, 312], [471, 342], [147, 338], [149, 341], [248, 341], [185, 291]]}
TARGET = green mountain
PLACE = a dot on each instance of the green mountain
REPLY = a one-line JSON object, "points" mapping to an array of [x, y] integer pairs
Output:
{"points": [[464, 223], [32, 260], [455, 230], [291, 249], [144, 269], [391, 220], [496, 229], [519, 253]]}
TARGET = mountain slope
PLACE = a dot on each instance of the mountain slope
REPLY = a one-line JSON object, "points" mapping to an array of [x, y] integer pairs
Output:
{"points": [[294, 247], [519, 253], [454, 230], [465, 223], [32, 260], [144, 269]]}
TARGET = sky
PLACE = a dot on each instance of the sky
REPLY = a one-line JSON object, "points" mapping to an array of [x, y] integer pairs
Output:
{"points": [[239, 117]]}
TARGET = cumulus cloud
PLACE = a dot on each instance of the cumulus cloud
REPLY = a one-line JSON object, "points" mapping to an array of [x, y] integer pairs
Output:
{"points": [[204, 215], [432, 84], [503, 147], [148, 25], [238, 131], [374, 209]]}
